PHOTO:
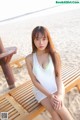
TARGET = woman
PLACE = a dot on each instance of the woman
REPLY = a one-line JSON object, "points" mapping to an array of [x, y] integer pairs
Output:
{"points": [[44, 67]]}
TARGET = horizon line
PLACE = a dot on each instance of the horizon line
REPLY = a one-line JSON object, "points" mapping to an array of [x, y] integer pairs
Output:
{"points": [[29, 13]]}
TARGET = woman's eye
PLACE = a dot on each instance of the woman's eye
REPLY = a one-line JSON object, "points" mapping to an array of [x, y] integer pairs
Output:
{"points": [[37, 38], [44, 38]]}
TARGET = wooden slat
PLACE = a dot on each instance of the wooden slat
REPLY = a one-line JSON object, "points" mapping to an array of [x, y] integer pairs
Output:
{"points": [[72, 74], [26, 99], [22, 87], [23, 101], [8, 104]]}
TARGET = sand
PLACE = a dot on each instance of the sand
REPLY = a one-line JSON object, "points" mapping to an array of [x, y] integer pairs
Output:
{"points": [[65, 31]]}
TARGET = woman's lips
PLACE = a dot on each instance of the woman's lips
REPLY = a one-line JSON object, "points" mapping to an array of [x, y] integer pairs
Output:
{"points": [[41, 46]]}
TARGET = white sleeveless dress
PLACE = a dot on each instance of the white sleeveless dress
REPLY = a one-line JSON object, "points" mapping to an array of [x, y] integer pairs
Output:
{"points": [[46, 77]]}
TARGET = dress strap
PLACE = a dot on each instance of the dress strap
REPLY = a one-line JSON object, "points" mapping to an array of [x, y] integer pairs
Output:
{"points": [[34, 59]]}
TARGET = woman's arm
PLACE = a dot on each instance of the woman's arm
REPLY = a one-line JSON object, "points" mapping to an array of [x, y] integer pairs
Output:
{"points": [[58, 96], [33, 78], [60, 87], [58, 75]]}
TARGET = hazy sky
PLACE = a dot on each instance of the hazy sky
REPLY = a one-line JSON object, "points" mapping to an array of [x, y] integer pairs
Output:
{"points": [[12, 8]]}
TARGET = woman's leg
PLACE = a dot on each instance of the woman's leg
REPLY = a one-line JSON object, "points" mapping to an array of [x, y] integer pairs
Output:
{"points": [[46, 103], [64, 113]]}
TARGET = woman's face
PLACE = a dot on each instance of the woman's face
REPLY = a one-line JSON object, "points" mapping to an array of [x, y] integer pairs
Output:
{"points": [[41, 41]]}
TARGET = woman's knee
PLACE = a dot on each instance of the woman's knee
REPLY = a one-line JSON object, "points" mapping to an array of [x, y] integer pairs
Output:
{"points": [[55, 115], [51, 111], [62, 110], [46, 103]]}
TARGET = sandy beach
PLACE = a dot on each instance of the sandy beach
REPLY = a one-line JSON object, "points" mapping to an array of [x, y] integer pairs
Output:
{"points": [[65, 31]]}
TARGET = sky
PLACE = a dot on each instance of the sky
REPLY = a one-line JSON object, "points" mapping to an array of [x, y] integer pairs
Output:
{"points": [[13, 8], [10, 8]]}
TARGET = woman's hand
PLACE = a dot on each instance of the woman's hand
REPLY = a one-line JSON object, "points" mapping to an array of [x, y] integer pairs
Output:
{"points": [[56, 101]]}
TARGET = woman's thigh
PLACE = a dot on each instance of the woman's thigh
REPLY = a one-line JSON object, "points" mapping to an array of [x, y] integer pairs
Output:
{"points": [[64, 113], [46, 103]]}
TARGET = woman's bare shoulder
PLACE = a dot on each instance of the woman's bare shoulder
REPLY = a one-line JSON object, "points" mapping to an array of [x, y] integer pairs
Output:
{"points": [[29, 58], [56, 52]]}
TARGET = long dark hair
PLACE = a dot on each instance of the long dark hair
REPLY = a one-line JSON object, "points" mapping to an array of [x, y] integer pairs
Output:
{"points": [[50, 47]]}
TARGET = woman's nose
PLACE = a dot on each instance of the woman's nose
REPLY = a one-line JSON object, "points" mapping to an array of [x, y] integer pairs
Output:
{"points": [[41, 41]]}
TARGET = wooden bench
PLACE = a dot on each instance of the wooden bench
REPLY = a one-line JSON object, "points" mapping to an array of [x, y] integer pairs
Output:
{"points": [[20, 102], [8, 104]]}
